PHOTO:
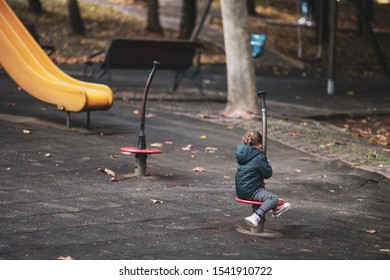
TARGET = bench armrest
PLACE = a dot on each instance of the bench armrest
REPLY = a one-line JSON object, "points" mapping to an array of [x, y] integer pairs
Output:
{"points": [[90, 70], [89, 61]]}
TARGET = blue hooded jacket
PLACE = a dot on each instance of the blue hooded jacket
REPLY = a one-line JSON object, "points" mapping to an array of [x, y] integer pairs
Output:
{"points": [[253, 168]]}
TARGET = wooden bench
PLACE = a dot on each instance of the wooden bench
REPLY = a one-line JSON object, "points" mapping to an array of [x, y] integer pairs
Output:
{"points": [[255, 205], [181, 56]]}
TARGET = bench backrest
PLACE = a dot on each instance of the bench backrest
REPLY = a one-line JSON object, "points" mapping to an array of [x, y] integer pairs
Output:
{"points": [[134, 53]]}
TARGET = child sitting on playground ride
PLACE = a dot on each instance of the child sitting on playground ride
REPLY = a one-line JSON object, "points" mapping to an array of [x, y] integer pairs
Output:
{"points": [[253, 168]]}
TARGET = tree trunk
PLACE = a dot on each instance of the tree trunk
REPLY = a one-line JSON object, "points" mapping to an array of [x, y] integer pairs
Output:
{"points": [[153, 22], [325, 23], [241, 81], [35, 6], [188, 19], [76, 22], [368, 8], [251, 5]]}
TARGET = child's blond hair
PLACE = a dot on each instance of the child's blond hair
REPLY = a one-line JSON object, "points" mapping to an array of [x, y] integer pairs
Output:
{"points": [[252, 138]]}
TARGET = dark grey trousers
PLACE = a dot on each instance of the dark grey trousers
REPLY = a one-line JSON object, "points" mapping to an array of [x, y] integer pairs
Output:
{"points": [[270, 201]]}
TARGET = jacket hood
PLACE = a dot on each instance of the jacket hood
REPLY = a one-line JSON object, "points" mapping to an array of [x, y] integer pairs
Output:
{"points": [[245, 153]]}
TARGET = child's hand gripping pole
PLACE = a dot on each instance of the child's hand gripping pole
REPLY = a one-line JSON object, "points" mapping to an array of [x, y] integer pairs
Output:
{"points": [[263, 107]]}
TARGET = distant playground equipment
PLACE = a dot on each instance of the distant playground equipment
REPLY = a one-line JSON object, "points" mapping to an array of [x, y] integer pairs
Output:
{"points": [[258, 44], [329, 8], [140, 151], [30, 67], [310, 20], [257, 204]]}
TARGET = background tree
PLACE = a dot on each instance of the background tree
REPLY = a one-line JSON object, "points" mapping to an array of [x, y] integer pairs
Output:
{"points": [[368, 8], [188, 19], [251, 5], [153, 21], [35, 6], [76, 22], [241, 95]]}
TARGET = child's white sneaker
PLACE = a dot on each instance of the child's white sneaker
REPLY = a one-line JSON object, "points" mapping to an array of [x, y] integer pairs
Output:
{"points": [[302, 20], [280, 210], [253, 220]]}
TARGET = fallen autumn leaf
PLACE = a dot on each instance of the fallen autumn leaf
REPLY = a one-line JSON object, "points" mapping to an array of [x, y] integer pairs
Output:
{"points": [[210, 149], [150, 115], [107, 171], [65, 258], [186, 148], [199, 169], [229, 127], [158, 145]]}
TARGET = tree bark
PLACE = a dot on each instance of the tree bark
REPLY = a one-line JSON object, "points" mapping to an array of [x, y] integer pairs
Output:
{"points": [[325, 22], [188, 19], [35, 6], [76, 22], [368, 8], [251, 5], [242, 102], [153, 21]]}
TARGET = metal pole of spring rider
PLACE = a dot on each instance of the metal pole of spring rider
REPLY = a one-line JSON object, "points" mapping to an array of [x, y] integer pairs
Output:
{"points": [[263, 108], [261, 95], [140, 158]]}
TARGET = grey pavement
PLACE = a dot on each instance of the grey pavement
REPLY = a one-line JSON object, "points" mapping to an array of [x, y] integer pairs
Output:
{"points": [[299, 109], [55, 202]]}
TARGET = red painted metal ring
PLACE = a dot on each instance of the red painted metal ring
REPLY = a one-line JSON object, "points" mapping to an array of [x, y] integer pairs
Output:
{"points": [[135, 150], [254, 202]]}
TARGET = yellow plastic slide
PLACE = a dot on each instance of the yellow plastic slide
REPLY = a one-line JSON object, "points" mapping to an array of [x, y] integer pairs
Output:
{"points": [[30, 67]]}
